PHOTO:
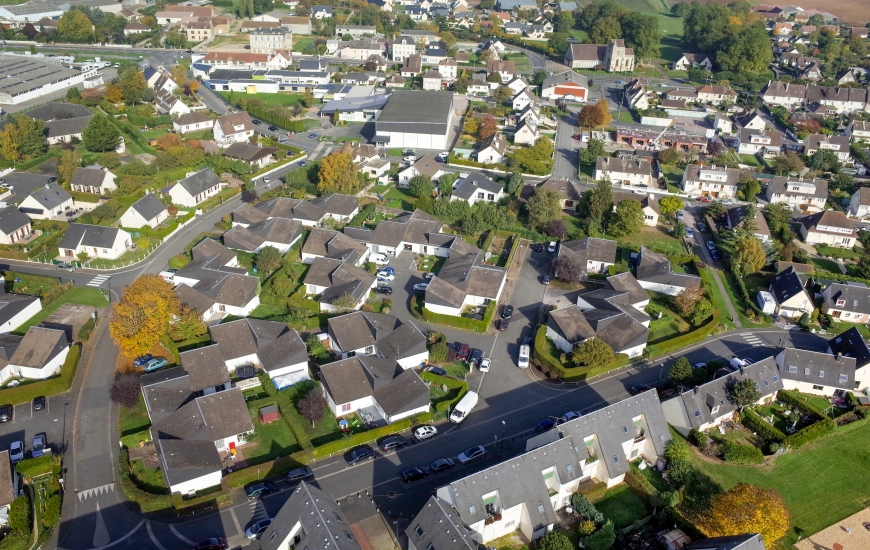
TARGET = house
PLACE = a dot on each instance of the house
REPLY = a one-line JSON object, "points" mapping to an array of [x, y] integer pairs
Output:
{"points": [[859, 205], [654, 273], [355, 31], [448, 69], [637, 97], [693, 61], [715, 95], [464, 281], [338, 281], [807, 196], [849, 302], [96, 241], [764, 142], [359, 152], [63, 130], [270, 40], [360, 50], [859, 131], [569, 193], [478, 87], [524, 493], [816, 372], [309, 517], [309, 213], [611, 57], [246, 61], [253, 155], [851, 344], [596, 254], [710, 181], [320, 12], [527, 132], [709, 405], [147, 211], [395, 81], [790, 294], [432, 80], [752, 120], [46, 202], [840, 100], [192, 122], [516, 85], [375, 387], [93, 180], [648, 203], [738, 217], [522, 100], [476, 187], [568, 85], [382, 335], [412, 67], [425, 166], [168, 103], [828, 227], [416, 232], [195, 188], [15, 309], [505, 69], [233, 128], [269, 345], [40, 354], [14, 225], [436, 525], [838, 144], [279, 233], [403, 124], [625, 172], [492, 149], [326, 243]]}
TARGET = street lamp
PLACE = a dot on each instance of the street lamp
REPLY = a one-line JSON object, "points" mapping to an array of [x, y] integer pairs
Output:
{"points": [[502, 437], [396, 525]]}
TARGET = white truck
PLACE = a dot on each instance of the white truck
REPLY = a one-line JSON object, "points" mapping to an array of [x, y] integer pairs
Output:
{"points": [[465, 406], [523, 360]]}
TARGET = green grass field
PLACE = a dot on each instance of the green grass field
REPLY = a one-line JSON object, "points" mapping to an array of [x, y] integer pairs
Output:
{"points": [[654, 238], [268, 99], [622, 506], [77, 295]]}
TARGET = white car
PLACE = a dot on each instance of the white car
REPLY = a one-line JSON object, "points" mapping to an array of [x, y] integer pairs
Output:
{"points": [[380, 259], [421, 286], [443, 155], [425, 432], [16, 451], [386, 275], [383, 281], [551, 247], [689, 233], [409, 158], [680, 215], [471, 454], [484, 365], [266, 179]]}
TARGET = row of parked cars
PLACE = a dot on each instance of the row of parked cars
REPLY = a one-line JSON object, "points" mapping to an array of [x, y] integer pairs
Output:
{"points": [[415, 473]]}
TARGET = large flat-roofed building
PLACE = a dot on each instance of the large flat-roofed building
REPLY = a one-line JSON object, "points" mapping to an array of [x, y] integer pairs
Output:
{"points": [[22, 13], [416, 119], [28, 78]]}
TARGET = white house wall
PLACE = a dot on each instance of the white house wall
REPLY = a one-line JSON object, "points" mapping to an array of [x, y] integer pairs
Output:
{"points": [[675, 414], [444, 310], [561, 342], [406, 414], [250, 359], [298, 367], [204, 482], [51, 368], [21, 317], [670, 290], [414, 360]]}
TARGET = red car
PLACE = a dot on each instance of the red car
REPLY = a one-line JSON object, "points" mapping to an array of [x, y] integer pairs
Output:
{"points": [[462, 353], [214, 543], [576, 136], [703, 199]]}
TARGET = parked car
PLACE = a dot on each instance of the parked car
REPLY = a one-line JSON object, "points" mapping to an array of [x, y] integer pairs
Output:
{"points": [[154, 364], [52, 179], [475, 357], [312, 136], [441, 465], [551, 247], [359, 454], [502, 324], [436, 370], [507, 312], [428, 276], [379, 259], [727, 202], [383, 281], [575, 136], [266, 179], [462, 352], [699, 366], [386, 276], [254, 531], [567, 417], [298, 475], [484, 365], [302, 163], [689, 233], [639, 388], [38, 448], [472, 454], [16, 451], [6, 413], [392, 442], [413, 474], [421, 286], [387, 270], [142, 359], [680, 215], [703, 199], [715, 255], [711, 245], [537, 247], [702, 226], [546, 279], [409, 158], [66, 267], [256, 122], [273, 128], [39, 403], [382, 290], [545, 425], [258, 490], [425, 432], [213, 543], [443, 155]]}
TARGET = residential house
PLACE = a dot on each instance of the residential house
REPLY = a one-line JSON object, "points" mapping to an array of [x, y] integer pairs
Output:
{"points": [[709, 405], [63, 130], [738, 216], [168, 103], [338, 281], [648, 203], [838, 144], [752, 120], [527, 132], [516, 85], [432, 80], [395, 81], [93, 180], [522, 100], [840, 100], [636, 96], [233, 128], [828, 227], [376, 388], [437, 525], [464, 281], [279, 233], [39, 355], [321, 12], [416, 232], [790, 294], [715, 95], [816, 372], [569, 193], [359, 152], [148, 211], [596, 254], [448, 69], [195, 188], [326, 243], [848, 302], [767, 143], [492, 149], [476, 187], [654, 273], [192, 122], [524, 493], [713, 181], [413, 66], [382, 335], [505, 69], [46, 202], [253, 155], [356, 31], [425, 166], [14, 225], [15, 309], [693, 61], [245, 61], [134, 27], [568, 85], [859, 131], [851, 344], [268, 345], [625, 172], [859, 205], [612, 57], [270, 40], [97, 241], [360, 50], [807, 196], [310, 518], [477, 87], [339, 207]]}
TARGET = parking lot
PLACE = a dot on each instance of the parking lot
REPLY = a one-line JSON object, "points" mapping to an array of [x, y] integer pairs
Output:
{"points": [[26, 423]]}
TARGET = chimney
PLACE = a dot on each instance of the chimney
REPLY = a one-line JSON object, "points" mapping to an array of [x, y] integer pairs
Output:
{"points": [[838, 356], [695, 389]]}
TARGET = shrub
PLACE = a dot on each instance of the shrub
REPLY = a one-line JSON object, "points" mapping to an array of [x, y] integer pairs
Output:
{"points": [[179, 261], [774, 447], [52, 511], [754, 422], [37, 466], [742, 454], [601, 539], [698, 438], [86, 329], [811, 433], [438, 352], [282, 287], [586, 527], [586, 509], [125, 390], [19, 515]]}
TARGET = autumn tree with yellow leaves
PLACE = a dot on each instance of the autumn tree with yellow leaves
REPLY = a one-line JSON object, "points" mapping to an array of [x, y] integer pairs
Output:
{"points": [[138, 321], [747, 509], [337, 175]]}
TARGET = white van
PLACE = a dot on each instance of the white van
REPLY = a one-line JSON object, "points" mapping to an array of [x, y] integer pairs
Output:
{"points": [[379, 259], [523, 361], [465, 406]]}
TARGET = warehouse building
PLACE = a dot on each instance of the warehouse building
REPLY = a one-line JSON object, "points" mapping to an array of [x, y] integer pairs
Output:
{"points": [[27, 78], [415, 119]]}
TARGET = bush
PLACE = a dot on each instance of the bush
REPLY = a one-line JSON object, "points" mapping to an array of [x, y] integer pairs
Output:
{"points": [[125, 390], [754, 422], [698, 438], [811, 433], [774, 447], [438, 352], [687, 339], [586, 509], [147, 502], [19, 515], [463, 323], [601, 539], [52, 511], [742, 454], [37, 466], [86, 329]]}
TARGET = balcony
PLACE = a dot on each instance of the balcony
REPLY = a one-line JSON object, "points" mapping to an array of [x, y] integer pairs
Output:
{"points": [[640, 435]]}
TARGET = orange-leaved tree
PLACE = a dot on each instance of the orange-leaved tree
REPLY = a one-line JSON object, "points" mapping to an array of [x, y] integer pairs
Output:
{"points": [[747, 509], [139, 320]]}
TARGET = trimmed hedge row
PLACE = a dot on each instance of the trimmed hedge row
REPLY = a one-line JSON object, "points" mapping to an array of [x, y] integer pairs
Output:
{"points": [[742, 454], [463, 323], [811, 433], [687, 339], [56, 293], [791, 398], [463, 162], [45, 464], [444, 406], [757, 424], [147, 502], [643, 487]]}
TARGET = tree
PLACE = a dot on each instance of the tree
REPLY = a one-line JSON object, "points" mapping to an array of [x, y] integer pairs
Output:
{"points": [[337, 175], [601, 539], [188, 325], [681, 371], [421, 186], [747, 509], [563, 23], [747, 256], [168, 141], [132, 83], [592, 116], [539, 77], [684, 302], [501, 94], [750, 189], [594, 149], [558, 43], [627, 219], [544, 206], [669, 156], [555, 540], [179, 74], [268, 259], [471, 126], [515, 183], [100, 134], [743, 392], [312, 406], [125, 390], [139, 319], [556, 229], [679, 230], [494, 77], [75, 26], [825, 160], [670, 205], [70, 159], [641, 32], [778, 215], [592, 351], [569, 269], [599, 201], [114, 93], [22, 138], [489, 126], [789, 163], [747, 52], [316, 348], [29, 31], [73, 94], [703, 310]]}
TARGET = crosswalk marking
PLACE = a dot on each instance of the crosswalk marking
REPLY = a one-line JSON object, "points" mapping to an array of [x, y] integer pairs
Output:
{"points": [[752, 339], [259, 511], [96, 491], [98, 281]]}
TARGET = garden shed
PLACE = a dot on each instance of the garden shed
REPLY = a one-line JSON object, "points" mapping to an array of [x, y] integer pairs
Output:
{"points": [[269, 414]]}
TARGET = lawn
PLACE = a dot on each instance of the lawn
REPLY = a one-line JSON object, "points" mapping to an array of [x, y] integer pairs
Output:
{"points": [[841, 327], [133, 420], [653, 238], [740, 304], [749, 160], [76, 295], [716, 296], [148, 478], [670, 323], [31, 284], [303, 45], [578, 34], [269, 99], [622, 506], [823, 264], [403, 197], [380, 189], [269, 440], [821, 483], [456, 369], [834, 252]]}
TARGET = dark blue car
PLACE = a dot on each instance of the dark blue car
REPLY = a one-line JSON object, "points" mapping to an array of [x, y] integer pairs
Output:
{"points": [[142, 359], [545, 425]]}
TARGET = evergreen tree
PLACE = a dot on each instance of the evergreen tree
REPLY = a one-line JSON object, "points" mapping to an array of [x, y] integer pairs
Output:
{"points": [[100, 134]]}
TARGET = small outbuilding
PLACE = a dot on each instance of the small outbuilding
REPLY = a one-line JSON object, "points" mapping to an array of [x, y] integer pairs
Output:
{"points": [[269, 414]]}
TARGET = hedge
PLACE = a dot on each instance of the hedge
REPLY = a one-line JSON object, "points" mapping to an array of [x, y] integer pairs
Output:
{"points": [[793, 399], [264, 114], [57, 384], [288, 413], [463, 323], [56, 293], [742, 454], [45, 464], [444, 406], [687, 339], [86, 330], [463, 162], [642, 486], [541, 354], [147, 502], [150, 122], [811, 433], [759, 425], [363, 214]]}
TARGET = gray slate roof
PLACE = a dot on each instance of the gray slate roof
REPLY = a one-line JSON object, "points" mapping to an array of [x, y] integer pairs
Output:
{"points": [[38, 347], [786, 285], [464, 274], [656, 268], [357, 377], [51, 196], [814, 367], [59, 111], [851, 344], [207, 418], [187, 460], [97, 236], [66, 127], [323, 524], [360, 329], [441, 527], [12, 219], [205, 366], [275, 230], [856, 297], [402, 112], [275, 345], [590, 249], [475, 182], [13, 304], [405, 392], [200, 182], [733, 542], [149, 206]]}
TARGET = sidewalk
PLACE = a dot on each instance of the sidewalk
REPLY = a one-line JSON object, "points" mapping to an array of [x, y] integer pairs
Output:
{"points": [[731, 311]]}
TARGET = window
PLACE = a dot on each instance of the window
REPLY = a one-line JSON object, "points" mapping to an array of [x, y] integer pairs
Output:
{"points": [[816, 387], [821, 374], [419, 530], [540, 508], [792, 368], [273, 535], [472, 510], [806, 372], [844, 378], [345, 407], [776, 378], [757, 387]]}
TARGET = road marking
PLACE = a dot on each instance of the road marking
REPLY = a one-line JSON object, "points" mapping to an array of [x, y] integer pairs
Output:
{"points": [[122, 539], [236, 521], [101, 534], [153, 538], [184, 539], [96, 491], [259, 511], [98, 281]]}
